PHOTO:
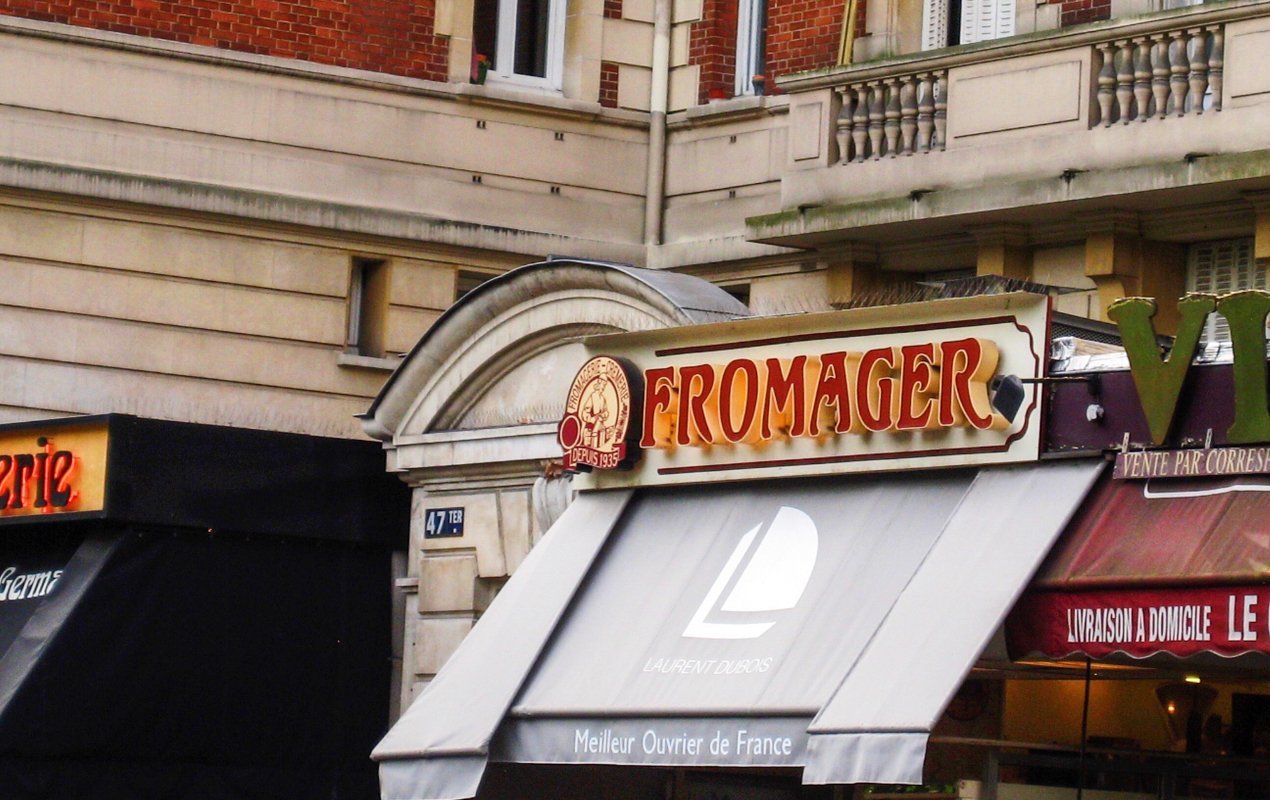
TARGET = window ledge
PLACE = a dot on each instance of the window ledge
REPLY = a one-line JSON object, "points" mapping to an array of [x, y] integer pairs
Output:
{"points": [[512, 94], [732, 109], [386, 363]]}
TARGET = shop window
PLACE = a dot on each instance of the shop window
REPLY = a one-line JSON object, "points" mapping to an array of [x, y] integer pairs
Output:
{"points": [[951, 22], [469, 280], [367, 307], [1221, 267], [751, 49], [523, 39]]}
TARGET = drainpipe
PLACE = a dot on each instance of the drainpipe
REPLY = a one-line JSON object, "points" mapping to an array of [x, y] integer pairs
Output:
{"points": [[655, 188]]}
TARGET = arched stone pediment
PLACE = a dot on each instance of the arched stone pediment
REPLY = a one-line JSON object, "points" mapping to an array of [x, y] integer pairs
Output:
{"points": [[487, 382]]}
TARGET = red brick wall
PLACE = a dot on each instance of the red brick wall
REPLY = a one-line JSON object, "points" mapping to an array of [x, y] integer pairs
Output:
{"points": [[608, 69], [608, 84], [1074, 12], [804, 34], [390, 36], [712, 45], [801, 35]]}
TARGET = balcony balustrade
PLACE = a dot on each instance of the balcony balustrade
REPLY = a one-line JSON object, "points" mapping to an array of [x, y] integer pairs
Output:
{"points": [[1167, 65], [1150, 115]]}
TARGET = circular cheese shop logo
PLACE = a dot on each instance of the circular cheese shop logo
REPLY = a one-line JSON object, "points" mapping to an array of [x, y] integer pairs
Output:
{"points": [[597, 429]]}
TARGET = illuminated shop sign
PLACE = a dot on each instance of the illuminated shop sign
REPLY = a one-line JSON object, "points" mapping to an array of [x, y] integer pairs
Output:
{"points": [[921, 386], [940, 384], [1159, 379], [57, 471]]}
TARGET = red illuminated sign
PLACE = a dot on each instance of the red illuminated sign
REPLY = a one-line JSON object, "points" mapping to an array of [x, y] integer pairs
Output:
{"points": [[54, 469], [943, 384], [916, 387], [41, 480]]}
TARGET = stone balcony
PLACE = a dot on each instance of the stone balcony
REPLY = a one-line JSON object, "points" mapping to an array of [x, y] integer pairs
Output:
{"points": [[1163, 118]]}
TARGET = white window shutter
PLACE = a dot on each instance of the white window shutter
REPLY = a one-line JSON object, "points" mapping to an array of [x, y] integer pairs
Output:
{"points": [[981, 21], [935, 24], [984, 20], [1222, 267]]}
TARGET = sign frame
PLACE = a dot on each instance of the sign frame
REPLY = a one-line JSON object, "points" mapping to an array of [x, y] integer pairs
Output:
{"points": [[1013, 326], [87, 441]]}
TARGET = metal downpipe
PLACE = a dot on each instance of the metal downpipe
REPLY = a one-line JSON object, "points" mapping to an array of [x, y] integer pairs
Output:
{"points": [[655, 187]]}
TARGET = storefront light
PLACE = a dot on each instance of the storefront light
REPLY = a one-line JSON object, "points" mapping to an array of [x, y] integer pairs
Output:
{"points": [[1186, 706]]}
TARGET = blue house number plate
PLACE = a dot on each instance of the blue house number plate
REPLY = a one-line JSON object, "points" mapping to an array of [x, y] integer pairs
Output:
{"points": [[439, 523]]}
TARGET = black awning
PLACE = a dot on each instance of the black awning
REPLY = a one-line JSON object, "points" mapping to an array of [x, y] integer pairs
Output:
{"points": [[164, 665]]}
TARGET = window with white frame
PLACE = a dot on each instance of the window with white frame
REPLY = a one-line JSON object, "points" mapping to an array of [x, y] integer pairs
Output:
{"points": [[523, 40], [1221, 267], [949, 22], [751, 39]]}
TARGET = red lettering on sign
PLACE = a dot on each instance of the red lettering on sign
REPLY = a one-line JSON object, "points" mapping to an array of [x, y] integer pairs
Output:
{"points": [[733, 399]]}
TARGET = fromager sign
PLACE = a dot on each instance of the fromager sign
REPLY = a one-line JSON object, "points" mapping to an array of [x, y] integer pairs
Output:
{"points": [[936, 384]]}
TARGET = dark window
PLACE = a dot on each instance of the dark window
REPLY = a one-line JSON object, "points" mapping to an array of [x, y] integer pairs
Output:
{"points": [[367, 306]]}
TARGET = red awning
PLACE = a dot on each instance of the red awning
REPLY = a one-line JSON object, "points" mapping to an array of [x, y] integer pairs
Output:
{"points": [[1160, 566]]}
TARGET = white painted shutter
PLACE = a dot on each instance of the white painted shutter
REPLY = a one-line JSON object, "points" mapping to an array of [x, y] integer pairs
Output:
{"points": [[1222, 267], [984, 20], [934, 24], [981, 21]]}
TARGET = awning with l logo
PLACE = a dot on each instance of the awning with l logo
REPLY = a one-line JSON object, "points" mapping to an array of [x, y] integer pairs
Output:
{"points": [[822, 624]]}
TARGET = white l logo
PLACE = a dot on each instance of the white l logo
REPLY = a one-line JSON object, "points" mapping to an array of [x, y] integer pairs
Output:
{"points": [[774, 579]]}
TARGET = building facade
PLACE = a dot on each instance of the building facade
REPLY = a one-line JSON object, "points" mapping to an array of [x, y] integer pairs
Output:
{"points": [[872, 552], [246, 214]]}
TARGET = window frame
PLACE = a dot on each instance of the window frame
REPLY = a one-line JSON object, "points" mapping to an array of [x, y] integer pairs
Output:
{"points": [[503, 70], [368, 301], [751, 29]]}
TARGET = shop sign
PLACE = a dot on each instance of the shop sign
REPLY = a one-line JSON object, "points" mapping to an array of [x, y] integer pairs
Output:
{"points": [[1182, 622], [597, 427], [1193, 463], [15, 585], [1159, 379], [58, 470], [754, 741], [938, 384]]}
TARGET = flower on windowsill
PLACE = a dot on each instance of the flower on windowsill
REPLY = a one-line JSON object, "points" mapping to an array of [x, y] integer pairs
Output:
{"points": [[760, 84], [480, 67]]}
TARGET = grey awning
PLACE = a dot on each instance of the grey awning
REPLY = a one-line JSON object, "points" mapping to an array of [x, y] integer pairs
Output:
{"points": [[875, 726], [439, 747], [740, 625]]}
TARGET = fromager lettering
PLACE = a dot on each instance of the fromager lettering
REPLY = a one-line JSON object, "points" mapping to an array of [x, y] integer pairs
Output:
{"points": [[915, 387]]}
